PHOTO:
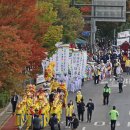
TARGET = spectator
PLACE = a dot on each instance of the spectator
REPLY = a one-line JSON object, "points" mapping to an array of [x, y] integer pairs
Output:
{"points": [[36, 122], [53, 122], [75, 122], [14, 100]]}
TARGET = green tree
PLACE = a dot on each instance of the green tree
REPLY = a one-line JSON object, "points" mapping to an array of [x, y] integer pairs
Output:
{"points": [[70, 18], [53, 36]]}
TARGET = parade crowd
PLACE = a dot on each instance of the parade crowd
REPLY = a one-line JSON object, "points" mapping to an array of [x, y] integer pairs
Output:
{"points": [[44, 106]]}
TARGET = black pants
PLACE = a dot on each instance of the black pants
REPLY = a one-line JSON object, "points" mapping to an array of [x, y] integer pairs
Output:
{"points": [[120, 87], [89, 116], [81, 115], [115, 71], [36, 129], [68, 121], [113, 124], [57, 127], [105, 99], [82, 81], [96, 79], [14, 106]]}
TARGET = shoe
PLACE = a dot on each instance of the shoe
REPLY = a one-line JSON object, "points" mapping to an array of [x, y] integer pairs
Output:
{"points": [[69, 127], [66, 126]]}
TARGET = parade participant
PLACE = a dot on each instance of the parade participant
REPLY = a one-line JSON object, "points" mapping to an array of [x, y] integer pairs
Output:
{"points": [[109, 68], [69, 112], [120, 81], [116, 64], [106, 93], [103, 70], [81, 109], [119, 70], [90, 109], [66, 79], [78, 98], [72, 105], [75, 122], [127, 66], [96, 75], [14, 101], [114, 114]]}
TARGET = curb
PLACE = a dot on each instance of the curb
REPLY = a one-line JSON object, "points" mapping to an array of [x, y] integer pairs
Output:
{"points": [[5, 110]]}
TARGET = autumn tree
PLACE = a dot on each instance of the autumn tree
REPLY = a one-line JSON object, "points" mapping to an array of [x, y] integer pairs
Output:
{"points": [[20, 17], [14, 55]]}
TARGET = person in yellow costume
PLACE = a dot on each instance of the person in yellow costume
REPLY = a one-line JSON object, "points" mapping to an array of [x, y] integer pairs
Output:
{"points": [[69, 112], [54, 85], [72, 105], [59, 110], [29, 100], [127, 66], [63, 87], [18, 115], [78, 98]]}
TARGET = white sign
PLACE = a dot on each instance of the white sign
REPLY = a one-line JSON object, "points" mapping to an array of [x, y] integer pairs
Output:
{"points": [[122, 40], [40, 79], [124, 34], [76, 63]]}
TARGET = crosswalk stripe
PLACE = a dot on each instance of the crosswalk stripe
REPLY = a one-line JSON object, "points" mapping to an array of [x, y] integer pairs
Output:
{"points": [[128, 125], [129, 112], [84, 128]]}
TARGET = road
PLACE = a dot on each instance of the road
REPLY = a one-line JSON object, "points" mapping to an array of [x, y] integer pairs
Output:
{"points": [[100, 119]]}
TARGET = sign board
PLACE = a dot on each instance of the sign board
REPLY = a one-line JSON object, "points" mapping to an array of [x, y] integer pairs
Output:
{"points": [[120, 41], [86, 33], [124, 34], [110, 10], [40, 79]]}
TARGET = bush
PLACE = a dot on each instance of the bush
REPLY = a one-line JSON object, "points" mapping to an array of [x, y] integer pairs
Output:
{"points": [[4, 98]]}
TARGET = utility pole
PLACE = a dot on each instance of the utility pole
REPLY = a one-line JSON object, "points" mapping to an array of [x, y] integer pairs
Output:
{"points": [[114, 37], [93, 29]]}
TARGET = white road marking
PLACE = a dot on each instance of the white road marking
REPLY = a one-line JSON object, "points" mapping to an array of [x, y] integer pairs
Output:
{"points": [[128, 125], [100, 123], [129, 112], [117, 123], [84, 128]]}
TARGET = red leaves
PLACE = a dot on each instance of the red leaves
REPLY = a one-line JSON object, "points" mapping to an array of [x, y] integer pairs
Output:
{"points": [[19, 47], [85, 9]]}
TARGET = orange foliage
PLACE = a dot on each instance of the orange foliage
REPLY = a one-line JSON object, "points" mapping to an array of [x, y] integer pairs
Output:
{"points": [[20, 36]]}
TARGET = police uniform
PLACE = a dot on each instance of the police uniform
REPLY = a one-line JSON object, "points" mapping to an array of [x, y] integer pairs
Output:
{"points": [[106, 93], [114, 114]]}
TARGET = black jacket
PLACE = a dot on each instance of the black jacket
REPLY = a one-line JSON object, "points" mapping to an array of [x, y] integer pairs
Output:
{"points": [[90, 106], [53, 121], [16, 99], [75, 123], [81, 107]]}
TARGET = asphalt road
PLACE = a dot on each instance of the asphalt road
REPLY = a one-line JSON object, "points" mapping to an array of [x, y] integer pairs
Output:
{"points": [[100, 118]]}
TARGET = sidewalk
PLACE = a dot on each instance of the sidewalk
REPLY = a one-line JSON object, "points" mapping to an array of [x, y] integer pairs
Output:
{"points": [[5, 114]]}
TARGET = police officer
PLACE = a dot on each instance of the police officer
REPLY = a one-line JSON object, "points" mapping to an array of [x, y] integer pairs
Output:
{"points": [[120, 81], [114, 114], [106, 93], [90, 108]]}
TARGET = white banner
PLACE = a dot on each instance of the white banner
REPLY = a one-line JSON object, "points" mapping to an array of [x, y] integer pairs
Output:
{"points": [[122, 40]]}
